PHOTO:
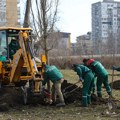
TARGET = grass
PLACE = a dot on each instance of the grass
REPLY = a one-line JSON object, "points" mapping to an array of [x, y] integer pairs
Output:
{"points": [[70, 75]]}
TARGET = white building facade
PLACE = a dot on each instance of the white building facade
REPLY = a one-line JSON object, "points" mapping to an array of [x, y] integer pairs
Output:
{"points": [[105, 19]]}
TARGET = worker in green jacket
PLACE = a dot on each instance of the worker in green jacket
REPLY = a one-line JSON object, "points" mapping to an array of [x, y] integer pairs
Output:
{"points": [[2, 57], [95, 78], [116, 68], [13, 47], [52, 73], [102, 76], [87, 78]]}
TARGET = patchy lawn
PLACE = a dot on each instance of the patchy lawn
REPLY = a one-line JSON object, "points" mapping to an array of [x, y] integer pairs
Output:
{"points": [[70, 112]]}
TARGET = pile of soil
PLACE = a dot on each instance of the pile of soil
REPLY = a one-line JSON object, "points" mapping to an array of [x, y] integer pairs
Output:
{"points": [[9, 97], [116, 85], [71, 97], [77, 94], [12, 97]]}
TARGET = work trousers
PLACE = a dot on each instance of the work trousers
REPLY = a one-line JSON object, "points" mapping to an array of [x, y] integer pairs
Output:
{"points": [[103, 79], [57, 91], [87, 87], [94, 85]]}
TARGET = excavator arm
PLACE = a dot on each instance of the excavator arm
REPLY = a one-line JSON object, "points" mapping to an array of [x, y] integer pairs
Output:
{"points": [[25, 57]]}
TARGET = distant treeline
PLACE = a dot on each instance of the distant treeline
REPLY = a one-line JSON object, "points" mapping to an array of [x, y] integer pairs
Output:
{"points": [[66, 62]]}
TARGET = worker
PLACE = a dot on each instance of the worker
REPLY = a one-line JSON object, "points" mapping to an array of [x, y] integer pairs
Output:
{"points": [[13, 47], [102, 75], [116, 68], [52, 73], [87, 78], [95, 78], [2, 57]]}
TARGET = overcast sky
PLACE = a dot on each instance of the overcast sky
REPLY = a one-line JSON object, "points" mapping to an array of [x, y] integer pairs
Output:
{"points": [[75, 16]]}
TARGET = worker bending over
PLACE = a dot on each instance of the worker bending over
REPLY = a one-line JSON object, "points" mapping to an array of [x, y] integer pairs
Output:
{"points": [[101, 73], [52, 73], [87, 78]]}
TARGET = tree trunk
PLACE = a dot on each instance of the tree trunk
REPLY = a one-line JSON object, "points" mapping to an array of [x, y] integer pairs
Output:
{"points": [[27, 14]]}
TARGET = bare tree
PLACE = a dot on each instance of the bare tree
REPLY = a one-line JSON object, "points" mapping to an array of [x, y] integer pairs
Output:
{"points": [[111, 43], [118, 41], [44, 14]]}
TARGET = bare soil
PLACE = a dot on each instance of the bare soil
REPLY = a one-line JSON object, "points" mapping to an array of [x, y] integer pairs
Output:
{"points": [[12, 108]]}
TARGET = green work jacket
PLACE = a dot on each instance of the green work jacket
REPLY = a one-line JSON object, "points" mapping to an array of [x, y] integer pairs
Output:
{"points": [[82, 70], [98, 68], [51, 73], [2, 58]]}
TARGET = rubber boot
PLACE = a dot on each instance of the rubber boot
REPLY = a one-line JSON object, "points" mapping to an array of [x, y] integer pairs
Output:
{"points": [[84, 101], [109, 93], [99, 94]]}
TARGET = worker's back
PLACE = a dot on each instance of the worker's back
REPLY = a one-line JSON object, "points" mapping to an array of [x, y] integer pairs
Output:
{"points": [[53, 73], [98, 68]]}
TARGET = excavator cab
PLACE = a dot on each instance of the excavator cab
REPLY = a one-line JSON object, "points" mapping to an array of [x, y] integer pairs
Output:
{"points": [[9, 41]]}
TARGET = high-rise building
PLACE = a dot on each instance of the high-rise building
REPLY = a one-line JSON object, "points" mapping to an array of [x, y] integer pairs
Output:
{"points": [[10, 13], [105, 20]]}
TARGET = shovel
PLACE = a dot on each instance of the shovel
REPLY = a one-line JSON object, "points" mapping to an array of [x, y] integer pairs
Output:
{"points": [[110, 102], [69, 86], [111, 105], [66, 94]]}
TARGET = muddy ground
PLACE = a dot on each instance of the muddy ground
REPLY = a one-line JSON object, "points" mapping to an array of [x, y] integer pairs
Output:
{"points": [[12, 108]]}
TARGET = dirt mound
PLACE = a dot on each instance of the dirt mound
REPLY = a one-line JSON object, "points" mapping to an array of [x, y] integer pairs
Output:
{"points": [[12, 97], [116, 85], [76, 95], [70, 97], [9, 97]]}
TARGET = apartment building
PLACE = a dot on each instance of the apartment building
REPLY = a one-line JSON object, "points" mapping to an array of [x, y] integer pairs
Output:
{"points": [[84, 44], [9, 13], [59, 44], [105, 20]]}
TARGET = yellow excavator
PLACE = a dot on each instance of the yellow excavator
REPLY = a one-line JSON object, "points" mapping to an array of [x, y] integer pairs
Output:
{"points": [[18, 64]]}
